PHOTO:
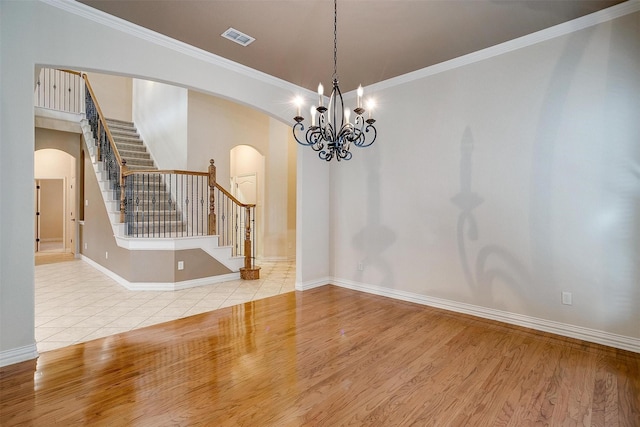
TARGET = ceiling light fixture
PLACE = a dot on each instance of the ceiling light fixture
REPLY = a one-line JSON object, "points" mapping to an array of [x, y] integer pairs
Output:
{"points": [[334, 135]]}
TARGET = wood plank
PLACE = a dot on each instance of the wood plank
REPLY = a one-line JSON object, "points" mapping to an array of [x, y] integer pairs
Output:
{"points": [[328, 356]]}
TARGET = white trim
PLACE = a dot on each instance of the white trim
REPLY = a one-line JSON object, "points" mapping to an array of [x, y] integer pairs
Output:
{"points": [[167, 243], [564, 329], [127, 27], [134, 30], [559, 30], [161, 286], [305, 286], [17, 355]]}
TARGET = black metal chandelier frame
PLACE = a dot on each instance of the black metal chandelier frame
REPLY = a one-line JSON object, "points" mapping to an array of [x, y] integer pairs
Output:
{"points": [[334, 135]]}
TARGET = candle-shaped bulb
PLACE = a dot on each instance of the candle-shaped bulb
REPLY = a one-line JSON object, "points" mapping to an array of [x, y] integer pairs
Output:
{"points": [[313, 112], [298, 102], [370, 105], [347, 114], [359, 99], [320, 93]]}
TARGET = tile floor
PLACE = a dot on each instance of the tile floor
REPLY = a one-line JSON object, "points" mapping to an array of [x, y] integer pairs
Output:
{"points": [[77, 303]]}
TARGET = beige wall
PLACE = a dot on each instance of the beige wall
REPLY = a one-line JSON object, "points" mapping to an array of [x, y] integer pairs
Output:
{"points": [[114, 94], [216, 127]]}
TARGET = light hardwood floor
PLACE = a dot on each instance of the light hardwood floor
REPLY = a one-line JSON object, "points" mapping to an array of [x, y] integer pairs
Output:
{"points": [[326, 357]]}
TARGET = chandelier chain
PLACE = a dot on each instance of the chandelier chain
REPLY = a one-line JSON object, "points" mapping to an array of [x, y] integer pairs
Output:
{"points": [[335, 39]]}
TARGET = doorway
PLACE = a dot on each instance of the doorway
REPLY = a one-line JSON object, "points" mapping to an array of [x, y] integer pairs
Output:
{"points": [[49, 215], [55, 202]]}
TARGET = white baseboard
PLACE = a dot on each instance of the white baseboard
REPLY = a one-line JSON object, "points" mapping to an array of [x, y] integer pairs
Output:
{"points": [[161, 286], [17, 355], [305, 286], [563, 329]]}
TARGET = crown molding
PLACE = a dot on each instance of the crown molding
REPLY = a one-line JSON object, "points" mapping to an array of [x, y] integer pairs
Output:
{"points": [[119, 24], [151, 36], [559, 30]]}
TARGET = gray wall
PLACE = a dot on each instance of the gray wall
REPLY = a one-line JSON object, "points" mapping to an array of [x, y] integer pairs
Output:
{"points": [[502, 183]]}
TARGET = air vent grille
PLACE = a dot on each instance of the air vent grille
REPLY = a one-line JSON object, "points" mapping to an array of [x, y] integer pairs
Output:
{"points": [[238, 37]]}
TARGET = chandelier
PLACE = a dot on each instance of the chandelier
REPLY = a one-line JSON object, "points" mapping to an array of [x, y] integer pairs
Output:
{"points": [[334, 135]]}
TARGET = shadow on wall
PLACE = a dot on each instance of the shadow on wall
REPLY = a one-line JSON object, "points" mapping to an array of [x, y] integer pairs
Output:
{"points": [[375, 237], [479, 274]]}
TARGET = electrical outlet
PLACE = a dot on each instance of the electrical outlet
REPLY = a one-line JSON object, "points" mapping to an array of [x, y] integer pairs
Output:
{"points": [[180, 265], [86, 202], [566, 298], [85, 245], [106, 255], [360, 266]]}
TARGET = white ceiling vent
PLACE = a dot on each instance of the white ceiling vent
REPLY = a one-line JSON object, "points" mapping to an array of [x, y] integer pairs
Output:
{"points": [[237, 36]]}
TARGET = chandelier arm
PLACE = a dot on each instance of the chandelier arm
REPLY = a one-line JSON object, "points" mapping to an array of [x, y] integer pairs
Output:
{"points": [[312, 138], [373, 135]]}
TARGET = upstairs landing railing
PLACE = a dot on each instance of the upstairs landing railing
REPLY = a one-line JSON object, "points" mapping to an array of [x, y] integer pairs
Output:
{"points": [[156, 203]]}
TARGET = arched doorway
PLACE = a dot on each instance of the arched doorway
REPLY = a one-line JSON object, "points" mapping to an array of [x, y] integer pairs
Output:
{"points": [[55, 201], [246, 170]]}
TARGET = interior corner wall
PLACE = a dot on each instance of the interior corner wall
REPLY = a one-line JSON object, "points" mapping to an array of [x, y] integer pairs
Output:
{"points": [[505, 182], [34, 33], [313, 208], [160, 113]]}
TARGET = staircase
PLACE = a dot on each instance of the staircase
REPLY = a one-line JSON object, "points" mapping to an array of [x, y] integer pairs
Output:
{"points": [[172, 210], [152, 208], [130, 146]]}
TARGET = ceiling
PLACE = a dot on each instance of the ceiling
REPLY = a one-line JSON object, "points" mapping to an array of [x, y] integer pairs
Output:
{"points": [[377, 39]]}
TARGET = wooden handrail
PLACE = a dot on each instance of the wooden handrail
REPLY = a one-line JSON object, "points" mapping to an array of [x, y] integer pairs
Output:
{"points": [[77, 73], [236, 201], [102, 119], [183, 172], [165, 171]]}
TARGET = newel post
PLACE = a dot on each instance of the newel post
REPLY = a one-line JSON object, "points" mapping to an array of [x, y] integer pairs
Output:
{"points": [[212, 201], [247, 237], [123, 169], [249, 271]]}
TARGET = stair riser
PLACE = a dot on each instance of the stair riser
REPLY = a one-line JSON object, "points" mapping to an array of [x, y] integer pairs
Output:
{"points": [[140, 155], [136, 167], [125, 135], [135, 160], [130, 145]]}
